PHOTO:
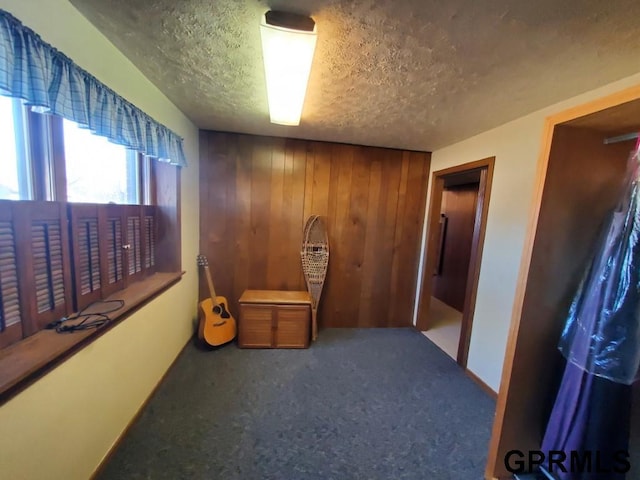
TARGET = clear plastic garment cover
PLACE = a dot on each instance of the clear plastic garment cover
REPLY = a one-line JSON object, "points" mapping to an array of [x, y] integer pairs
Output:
{"points": [[602, 331]]}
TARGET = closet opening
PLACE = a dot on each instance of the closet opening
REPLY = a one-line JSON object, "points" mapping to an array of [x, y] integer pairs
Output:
{"points": [[581, 177], [456, 224]]}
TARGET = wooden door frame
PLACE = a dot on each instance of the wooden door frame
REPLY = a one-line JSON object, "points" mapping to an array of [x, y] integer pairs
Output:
{"points": [[485, 166]]}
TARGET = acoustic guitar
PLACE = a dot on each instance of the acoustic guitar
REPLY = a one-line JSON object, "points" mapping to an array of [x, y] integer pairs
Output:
{"points": [[216, 325]]}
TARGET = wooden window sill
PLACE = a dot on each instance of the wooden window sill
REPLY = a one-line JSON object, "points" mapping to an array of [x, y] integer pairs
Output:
{"points": [[24, 362]]}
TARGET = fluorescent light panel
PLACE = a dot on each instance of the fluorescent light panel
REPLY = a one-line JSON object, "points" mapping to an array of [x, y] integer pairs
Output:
{"points": [[287, 54]]}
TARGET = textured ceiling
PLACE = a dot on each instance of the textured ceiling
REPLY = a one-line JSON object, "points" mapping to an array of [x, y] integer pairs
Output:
{"points": [[417, 74]]}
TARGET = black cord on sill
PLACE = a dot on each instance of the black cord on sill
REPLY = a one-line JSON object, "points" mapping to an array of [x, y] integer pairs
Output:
{"points": [[99, 318]]}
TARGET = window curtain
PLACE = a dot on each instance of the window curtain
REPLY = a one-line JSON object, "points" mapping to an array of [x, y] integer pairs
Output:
{"points": [[50, 82]]}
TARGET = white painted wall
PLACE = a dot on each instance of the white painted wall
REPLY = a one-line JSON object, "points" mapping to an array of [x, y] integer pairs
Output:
{"points": [[516, 146], [63, 425]]}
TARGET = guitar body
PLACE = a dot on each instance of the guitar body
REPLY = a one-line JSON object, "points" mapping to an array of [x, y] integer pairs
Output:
{"points": [[217, 326]]}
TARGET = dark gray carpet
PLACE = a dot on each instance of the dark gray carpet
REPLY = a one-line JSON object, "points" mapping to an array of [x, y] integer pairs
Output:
{"points": [[359, 404]]}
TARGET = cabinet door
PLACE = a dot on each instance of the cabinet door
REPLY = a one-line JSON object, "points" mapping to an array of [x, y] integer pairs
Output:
{"points": [[293, 326], [256, 329]]}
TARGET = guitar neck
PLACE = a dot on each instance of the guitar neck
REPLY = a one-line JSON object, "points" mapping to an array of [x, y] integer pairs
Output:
{"points": [[212, 291]]}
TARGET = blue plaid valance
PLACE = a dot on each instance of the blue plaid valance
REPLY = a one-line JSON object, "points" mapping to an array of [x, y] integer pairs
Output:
{"points": [[46, 79]]}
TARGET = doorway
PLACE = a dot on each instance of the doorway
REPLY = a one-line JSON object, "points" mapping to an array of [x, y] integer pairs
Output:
{"points": [[456, 225]]}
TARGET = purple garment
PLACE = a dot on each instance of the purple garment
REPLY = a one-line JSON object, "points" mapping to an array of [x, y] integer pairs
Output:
{"points": [[565, 430], [591, 416]]}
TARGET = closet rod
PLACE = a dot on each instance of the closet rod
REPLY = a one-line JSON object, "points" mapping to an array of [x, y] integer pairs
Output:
{"points": [[621, 138]]}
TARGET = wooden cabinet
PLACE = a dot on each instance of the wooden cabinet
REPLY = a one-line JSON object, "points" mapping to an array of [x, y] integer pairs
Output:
{"points": [[274, 319], [579, 182]]}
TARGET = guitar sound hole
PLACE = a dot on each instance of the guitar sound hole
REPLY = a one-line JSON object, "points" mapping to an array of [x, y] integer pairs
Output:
{"points": [[221, 310]]}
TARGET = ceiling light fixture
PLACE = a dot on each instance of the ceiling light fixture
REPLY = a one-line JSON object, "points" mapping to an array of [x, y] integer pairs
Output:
{"points": [[288, 43]]}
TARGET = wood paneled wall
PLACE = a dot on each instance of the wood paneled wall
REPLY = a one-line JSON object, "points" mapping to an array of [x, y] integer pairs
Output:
{"points": [[256, 194]]}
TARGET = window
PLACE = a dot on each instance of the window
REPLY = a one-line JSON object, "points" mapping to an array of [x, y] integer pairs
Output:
{"points": [[67, 234], [98, 171], [14, 165], [89, 226]]}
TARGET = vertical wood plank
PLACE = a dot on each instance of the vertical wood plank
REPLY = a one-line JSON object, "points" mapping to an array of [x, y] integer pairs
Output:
{"points": [[215, 229], [334, 308], [242, 219], [370, 253], [357, 231], [396, 262], [324, 310], [296, 222], [309, 192], [289, 200], [321, 179], [276, 275], [205, 140], [260, 194], [228, 275], [320, 201], [408, 249]]}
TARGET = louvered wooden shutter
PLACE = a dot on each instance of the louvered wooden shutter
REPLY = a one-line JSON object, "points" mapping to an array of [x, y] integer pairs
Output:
{"points": [[9, 296], [135, 247], [113, 246], [114, 251], [133, 218], [10, 315], [89, 255], [149, 246], [44, 266], [87, 248], [131, 244], [46, 247]]}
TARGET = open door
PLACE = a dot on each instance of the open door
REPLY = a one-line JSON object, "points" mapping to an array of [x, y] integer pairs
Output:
{"points": [[450, 278]]}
